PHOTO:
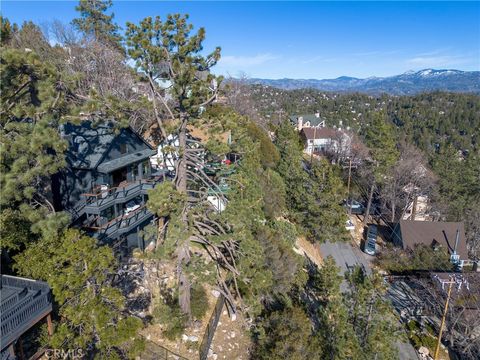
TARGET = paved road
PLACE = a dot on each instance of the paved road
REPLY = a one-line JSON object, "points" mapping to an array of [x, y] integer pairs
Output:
{"points": [[348, 256]]}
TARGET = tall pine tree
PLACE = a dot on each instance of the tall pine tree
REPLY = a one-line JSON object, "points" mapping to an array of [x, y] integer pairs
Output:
{"points": [[96, 24]]}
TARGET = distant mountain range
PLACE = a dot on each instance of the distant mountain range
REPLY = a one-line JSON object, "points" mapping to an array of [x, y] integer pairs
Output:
{"points": [[411, 82]]}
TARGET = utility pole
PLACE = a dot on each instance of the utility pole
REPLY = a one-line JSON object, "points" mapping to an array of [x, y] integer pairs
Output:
{"points": [[439, 340], [459, 281], [348, 187], [313, 144]]}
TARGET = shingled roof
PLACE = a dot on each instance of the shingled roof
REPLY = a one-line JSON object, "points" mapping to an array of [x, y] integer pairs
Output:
{"points": [[320, 133], [88, 143], [312, 118], [433, 232]]}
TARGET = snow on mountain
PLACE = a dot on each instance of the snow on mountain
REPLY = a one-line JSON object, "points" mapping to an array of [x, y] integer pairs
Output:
{"points": [[410, 82]]}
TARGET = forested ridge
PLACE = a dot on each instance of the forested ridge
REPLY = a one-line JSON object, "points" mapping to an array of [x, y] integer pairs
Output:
{"points": [[445, 127], [292, 309]]}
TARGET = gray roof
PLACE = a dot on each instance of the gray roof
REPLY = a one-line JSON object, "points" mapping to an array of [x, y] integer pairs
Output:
{"points": [[431, 232], [88, 143], [314, 121], [109, 166]]}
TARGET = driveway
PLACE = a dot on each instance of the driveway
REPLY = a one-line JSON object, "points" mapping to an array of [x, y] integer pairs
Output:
{"points": [[348, 256]]}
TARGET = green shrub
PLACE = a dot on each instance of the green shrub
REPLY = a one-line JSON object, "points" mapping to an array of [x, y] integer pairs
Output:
{"points": [[198, 302], [171, 318], [412, 325]]}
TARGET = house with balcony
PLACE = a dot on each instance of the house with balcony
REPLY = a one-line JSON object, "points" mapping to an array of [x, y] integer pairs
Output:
{"points": [[25, 303], [105, 183]]}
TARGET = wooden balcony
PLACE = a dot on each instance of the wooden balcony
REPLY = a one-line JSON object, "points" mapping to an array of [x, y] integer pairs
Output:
{"points": [[102, 199], [119, 225], [97, 200]]}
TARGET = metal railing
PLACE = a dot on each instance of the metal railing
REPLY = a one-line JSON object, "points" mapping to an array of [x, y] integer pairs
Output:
{"points": [[121, 224], [211, 328], [30, 302], [118, 194]]}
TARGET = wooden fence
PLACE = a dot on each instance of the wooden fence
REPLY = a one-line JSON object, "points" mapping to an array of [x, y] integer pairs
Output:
{"points": [[211, 327]]}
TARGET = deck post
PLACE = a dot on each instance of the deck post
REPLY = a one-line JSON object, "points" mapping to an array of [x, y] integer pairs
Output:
{"points": [[21, 354], [49, 325]]}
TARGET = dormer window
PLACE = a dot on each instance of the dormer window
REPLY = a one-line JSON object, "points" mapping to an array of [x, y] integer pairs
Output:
{"points": [[123, 148]]}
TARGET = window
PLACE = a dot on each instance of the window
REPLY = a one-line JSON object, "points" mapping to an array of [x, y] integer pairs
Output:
{"points": [[146, 167], [123, 148], [135, 171]]}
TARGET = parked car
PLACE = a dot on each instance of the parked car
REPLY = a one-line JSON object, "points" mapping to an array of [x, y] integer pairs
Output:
{"points": [[371, 240], [356, 207]]}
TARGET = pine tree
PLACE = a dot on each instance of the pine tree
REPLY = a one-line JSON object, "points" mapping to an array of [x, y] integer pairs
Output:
{"points": [[95, 23], [290, 167], [371, 316], [287, 334], [337, 337], [6, 31], [325, 218], [380, 138], [313, 197], [168, 52], [92, 312], [33, 104]]}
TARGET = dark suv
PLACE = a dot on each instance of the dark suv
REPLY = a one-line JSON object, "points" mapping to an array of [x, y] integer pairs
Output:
{"points": [[371, 240]]}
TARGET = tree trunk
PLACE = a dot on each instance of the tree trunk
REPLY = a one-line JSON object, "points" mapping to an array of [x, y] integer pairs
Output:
{"points": [[414, 208], [184, 288], [393, 211], [160, 233], [184, 285], [182, 161], [369, 204]]}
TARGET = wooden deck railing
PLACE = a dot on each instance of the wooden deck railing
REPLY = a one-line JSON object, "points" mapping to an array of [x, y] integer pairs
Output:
{"points": [[23, 309], [103, 197], [120, 224], [211, 328]]}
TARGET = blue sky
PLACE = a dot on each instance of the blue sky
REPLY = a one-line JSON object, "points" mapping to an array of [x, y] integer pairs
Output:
{"points": [[310, 39]]}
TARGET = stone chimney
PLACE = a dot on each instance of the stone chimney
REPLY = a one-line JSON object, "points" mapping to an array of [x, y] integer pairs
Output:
{"points": [[317, 114]]}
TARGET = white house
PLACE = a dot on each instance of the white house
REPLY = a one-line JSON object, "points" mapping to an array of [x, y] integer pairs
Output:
{"points": [[167, 154], [326, 140]]}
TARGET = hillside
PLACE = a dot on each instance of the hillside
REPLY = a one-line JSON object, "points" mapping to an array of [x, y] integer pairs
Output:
{"points": [[408, 83]]}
